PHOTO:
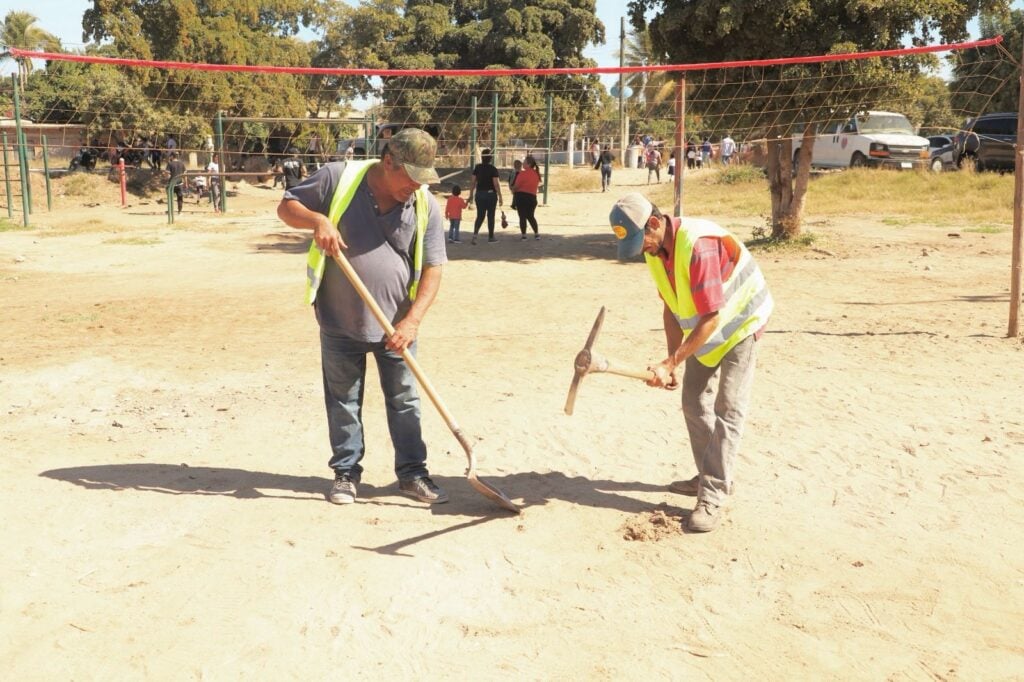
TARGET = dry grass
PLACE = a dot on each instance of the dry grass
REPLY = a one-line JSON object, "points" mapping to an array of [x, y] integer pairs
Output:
{"points": [[962, 200], [976, 201]]}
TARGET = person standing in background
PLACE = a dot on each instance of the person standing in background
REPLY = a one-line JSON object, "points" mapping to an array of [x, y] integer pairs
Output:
{"points": [[485, 192], [176, 170], [526, 184], [213, 173], [453, 212], [705, 153], [313, 152], [653, 164], [292, 168], [728, 149], [517, 167], [606, 168]]}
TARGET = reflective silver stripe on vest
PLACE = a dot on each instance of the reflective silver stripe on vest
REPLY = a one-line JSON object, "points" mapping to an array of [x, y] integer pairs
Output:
{"points": [[739, 279], [311, 277], [741, 318]]}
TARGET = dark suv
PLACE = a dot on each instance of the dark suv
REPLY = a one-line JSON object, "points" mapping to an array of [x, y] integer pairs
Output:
{"points": [[989, 140]]}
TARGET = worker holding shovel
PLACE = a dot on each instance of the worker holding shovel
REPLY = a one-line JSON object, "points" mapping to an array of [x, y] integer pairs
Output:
{"points": [[716, 305], [391, 230]]}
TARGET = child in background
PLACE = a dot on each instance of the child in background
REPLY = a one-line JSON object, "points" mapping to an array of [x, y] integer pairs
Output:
{"points": [[453, 212], [517, 168]]}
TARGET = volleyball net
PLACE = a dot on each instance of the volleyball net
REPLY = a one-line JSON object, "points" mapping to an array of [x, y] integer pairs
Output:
{"points": [[249, 112]]}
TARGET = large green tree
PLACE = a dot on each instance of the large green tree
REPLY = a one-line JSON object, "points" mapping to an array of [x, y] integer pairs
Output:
{"points": [[471, 34], [19, 30], [988, 82], [104, 99], [215, 32], [691, 31]]}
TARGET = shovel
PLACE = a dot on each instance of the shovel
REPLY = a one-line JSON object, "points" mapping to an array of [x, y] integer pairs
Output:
{"points": [[485, 489]]}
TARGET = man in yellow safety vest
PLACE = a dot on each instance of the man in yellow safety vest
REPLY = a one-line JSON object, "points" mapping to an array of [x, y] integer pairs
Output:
{"points": [[716, 305], [392, 231]]}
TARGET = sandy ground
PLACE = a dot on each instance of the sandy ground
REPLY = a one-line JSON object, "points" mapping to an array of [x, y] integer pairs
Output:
{"points": [[164, 448]]}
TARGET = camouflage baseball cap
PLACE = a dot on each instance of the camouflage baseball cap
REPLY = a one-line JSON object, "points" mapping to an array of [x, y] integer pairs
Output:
{"points": [[415, 149]]}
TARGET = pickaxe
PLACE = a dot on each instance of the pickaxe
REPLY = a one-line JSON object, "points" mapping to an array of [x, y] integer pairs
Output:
{"points": [[589, 362]]}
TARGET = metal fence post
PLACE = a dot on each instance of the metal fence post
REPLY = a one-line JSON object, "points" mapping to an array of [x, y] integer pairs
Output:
{"points": [[26, 198], [7, 179], [46, 174]]}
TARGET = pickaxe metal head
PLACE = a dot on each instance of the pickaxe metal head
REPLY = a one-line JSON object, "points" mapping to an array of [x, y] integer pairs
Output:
{"points": [[583, 362], [588, 361]]}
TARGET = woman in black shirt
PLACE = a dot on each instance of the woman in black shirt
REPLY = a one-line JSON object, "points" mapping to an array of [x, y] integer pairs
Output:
{"points": [[487, 186]]}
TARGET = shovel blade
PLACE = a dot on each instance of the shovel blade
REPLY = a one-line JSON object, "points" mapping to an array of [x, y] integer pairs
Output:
{"points": [[492, 493]]}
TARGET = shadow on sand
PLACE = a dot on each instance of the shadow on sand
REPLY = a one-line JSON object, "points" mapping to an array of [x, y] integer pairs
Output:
{"points": [[528, 489]]}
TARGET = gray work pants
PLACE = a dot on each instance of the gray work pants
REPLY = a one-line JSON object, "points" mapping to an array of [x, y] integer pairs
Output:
{"points": [[715, 416]]}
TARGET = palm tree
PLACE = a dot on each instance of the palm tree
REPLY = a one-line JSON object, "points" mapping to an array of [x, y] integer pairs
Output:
{"points": [[18, 31], [649, 88]]}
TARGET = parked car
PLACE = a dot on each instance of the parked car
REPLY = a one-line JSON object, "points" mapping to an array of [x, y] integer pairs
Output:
{"points": [[988, 140], [941, 149], [871, 138]]}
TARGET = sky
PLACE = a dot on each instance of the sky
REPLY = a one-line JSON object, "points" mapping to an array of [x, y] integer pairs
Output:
{"points": [[63, 18]]}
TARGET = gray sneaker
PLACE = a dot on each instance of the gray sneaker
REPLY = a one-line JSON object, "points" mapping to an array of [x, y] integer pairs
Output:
{"points": [[705, 517], [424, 490], [344, 489]]}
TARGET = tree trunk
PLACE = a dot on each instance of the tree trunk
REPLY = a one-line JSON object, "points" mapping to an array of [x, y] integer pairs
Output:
{"points": [[788, 188]]}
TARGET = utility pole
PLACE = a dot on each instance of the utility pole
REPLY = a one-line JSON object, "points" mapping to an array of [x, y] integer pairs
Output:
{"points": [[622, 88]]}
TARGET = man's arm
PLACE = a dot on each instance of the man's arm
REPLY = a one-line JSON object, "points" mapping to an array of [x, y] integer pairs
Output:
{"points": [[673, 334], [408, 327], [664, 372], [326, 235]]}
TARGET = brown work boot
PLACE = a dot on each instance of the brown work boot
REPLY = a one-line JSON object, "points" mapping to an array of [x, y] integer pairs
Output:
{"points": [[705, 517], [692, 486], [687, 487]]}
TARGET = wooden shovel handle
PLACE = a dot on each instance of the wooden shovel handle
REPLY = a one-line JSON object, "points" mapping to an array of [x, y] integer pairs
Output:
{"points": [[389, 329]]}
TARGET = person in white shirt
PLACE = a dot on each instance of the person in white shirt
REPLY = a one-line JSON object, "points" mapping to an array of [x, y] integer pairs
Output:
{"points": [[728, 149], [213, 175]]}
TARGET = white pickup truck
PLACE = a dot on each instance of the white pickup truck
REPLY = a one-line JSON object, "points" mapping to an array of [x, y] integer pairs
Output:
{"points": [[872, 138]]}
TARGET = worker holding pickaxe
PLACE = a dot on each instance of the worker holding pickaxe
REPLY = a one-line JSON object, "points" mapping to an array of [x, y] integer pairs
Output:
{"points": [[716, 306]]}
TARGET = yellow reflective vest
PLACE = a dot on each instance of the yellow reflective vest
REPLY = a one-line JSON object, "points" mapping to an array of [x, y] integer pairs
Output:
{"points": [[351, 176], [748, 303]]}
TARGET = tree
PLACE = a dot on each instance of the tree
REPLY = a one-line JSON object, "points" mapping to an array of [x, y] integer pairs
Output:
{"points": [[470, 34], [19, 31], [102, 98], [214, 32], [652, 97], [649, 89], [691, 31], [984, 86]]}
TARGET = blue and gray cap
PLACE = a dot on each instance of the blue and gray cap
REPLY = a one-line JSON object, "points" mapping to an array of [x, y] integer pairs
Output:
{"points": [[628, 217], [415, 150]]}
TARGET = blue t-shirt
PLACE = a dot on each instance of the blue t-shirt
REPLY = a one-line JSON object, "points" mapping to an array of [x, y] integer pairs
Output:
{"points": [[380, 249]]}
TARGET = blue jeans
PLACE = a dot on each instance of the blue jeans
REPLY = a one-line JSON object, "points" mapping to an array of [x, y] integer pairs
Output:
{"points": [[344, 370], [453, 230]]}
